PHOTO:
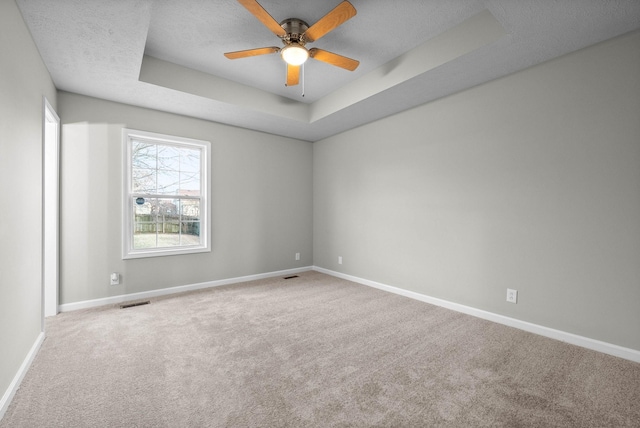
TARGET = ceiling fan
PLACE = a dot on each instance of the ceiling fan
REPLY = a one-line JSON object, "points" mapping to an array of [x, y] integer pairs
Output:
{"points": [[295, 34]]}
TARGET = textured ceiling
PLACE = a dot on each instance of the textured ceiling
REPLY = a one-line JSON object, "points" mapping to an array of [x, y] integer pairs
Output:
{"points": [[168, 54]]}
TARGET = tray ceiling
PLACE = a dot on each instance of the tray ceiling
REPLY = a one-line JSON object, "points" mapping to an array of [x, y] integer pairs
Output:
{"points": [[168, 54]]}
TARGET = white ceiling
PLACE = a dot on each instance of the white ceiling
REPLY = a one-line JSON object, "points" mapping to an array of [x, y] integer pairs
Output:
{"points": [[168, 54]]}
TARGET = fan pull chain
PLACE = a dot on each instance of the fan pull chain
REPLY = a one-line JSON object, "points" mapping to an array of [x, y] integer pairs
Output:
{"points": [[302, 80]]}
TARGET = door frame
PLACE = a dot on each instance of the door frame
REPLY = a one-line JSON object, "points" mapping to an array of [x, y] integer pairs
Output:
{"points": [[50, 210]]}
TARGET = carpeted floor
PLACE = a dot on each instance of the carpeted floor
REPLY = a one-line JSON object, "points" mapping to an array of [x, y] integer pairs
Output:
{"points": [[313, 351]]}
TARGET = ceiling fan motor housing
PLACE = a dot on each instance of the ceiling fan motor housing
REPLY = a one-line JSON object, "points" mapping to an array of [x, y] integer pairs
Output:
{"points": [[295, 29]]}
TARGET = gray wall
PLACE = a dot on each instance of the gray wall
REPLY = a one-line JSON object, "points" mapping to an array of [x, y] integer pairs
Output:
{"points": [[261, 202], [24, 81], [529, 182]]}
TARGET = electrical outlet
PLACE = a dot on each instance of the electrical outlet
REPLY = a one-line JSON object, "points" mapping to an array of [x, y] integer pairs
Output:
{"points": [[512, 295], [115, 278], [339, 260], [297, 256]]}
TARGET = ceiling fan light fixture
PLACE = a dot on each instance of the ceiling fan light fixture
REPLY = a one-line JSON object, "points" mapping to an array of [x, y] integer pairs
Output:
{"points": [[294, 54]]}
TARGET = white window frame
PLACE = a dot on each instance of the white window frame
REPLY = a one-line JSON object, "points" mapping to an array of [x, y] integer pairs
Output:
{"points": [[128, 250]]}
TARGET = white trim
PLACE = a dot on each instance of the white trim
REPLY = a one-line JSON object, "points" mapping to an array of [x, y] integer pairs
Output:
{"points": [[17, 379], [50, 212], [574, 339], [173, 290]]}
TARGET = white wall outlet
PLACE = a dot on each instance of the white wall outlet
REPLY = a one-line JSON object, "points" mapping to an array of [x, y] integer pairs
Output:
{"points": [[115, 278], [339, 260], [297, 256], [512, 295]]}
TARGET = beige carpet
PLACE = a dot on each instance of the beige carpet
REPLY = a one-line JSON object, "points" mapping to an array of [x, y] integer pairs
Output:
{"points": [[313, 351]]}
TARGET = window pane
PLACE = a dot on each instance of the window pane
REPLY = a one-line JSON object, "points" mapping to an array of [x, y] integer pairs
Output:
{"points": [[189, 183], [143, 155], [189, 160], [168, 158], [168, 223], [168, 182], [190, 233], [143, 180], [145, 223], [168, 210], [168, 232], [190, 209]]}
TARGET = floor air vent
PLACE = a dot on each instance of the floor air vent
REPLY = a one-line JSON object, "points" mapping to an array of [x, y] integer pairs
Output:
{"points": [[292, 276], [131, 305]]}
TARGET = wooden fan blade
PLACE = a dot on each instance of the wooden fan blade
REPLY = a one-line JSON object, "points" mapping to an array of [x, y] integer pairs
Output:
{"points": [[340, 14], [259, 12], [293, 75], [251, 52], [334, 59]]}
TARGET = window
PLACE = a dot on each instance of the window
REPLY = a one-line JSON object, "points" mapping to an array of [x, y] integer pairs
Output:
{"points": [[166, 195]]}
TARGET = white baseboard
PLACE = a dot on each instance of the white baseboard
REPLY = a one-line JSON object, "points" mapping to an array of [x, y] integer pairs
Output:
{"points": [[172, 290], [574, 339], [17, 379]]}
